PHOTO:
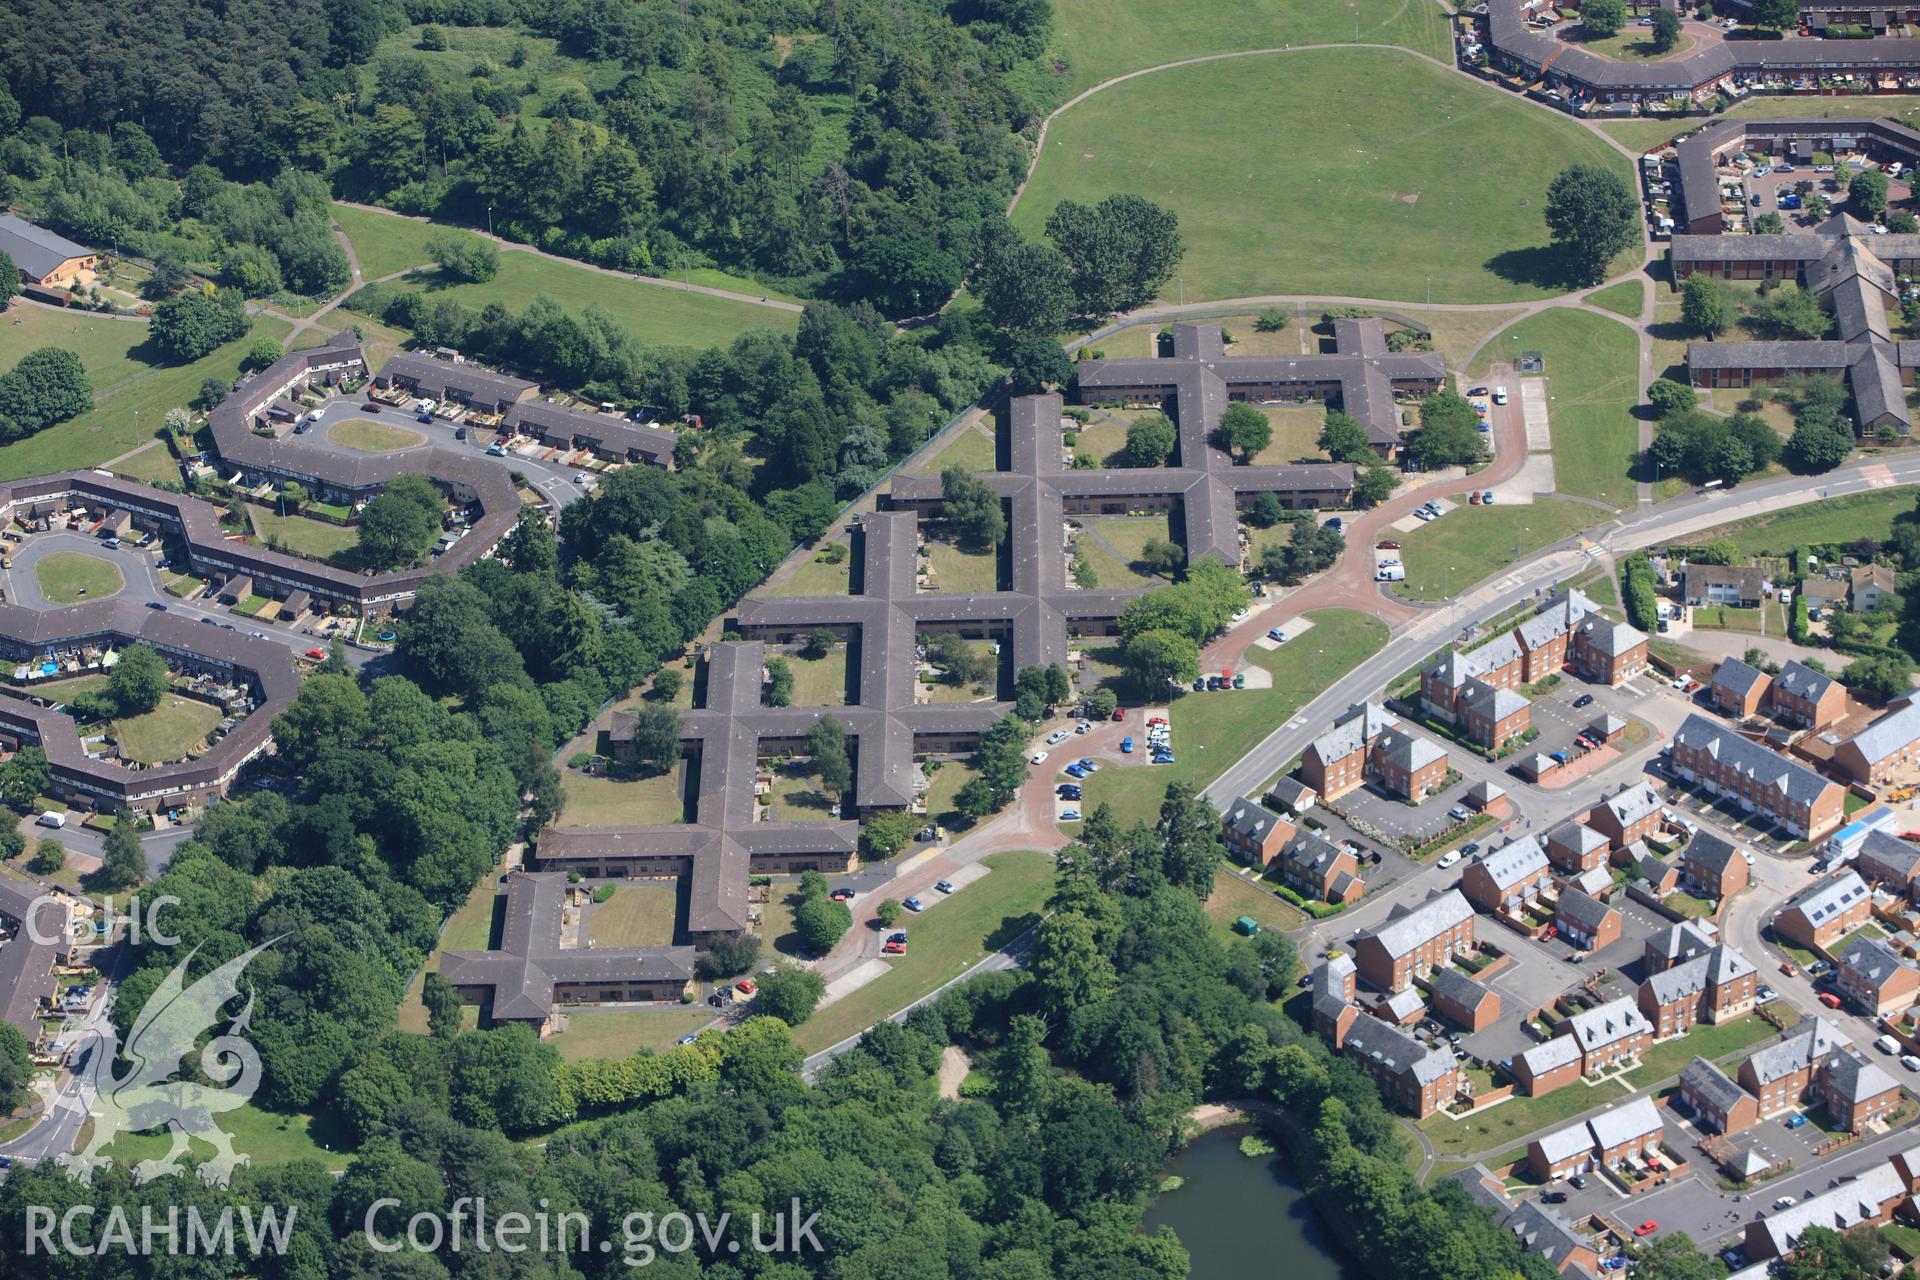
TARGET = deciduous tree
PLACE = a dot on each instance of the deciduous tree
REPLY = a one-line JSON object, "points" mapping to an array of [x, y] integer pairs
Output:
{"points": [[1593, 215]]}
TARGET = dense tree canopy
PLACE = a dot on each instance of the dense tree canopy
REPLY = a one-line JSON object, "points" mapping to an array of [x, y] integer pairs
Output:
{"points": [[1593, 215]]}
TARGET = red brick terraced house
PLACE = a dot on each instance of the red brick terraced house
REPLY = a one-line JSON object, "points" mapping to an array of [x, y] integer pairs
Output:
{"points": [[1888, 861], [1819, 1064], [1469, 1005], [1608, 1034], [1413, 1078], [1680, 943], [1873, 976], [1739, 690], [1713, 987], [1718, 1103], [1585, 921], [1885, 749], [1253, 834], [1336, 762], [1547, 1066], [1319, 870], [1868, 1200], [1761, 781], [1630, 814], [1406, 766], [1574, 848], [1608, 652], [1415, 940], [1632, 1130], [1825, 912], [1509, 878], [1491, 716], [1712, 867], [1806, 699]]}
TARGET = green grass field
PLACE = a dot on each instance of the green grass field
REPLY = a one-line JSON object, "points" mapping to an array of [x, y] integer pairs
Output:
{"points": [[1593, 372], [1211, 731], [150, 464], [102, 343], [968, 448], [1709, 1041], [639, 914], [302, 535], [1103, 38], [384, 242], [1234, 897], [1323, 196], [469, 928], [1467, 544], [1515, 1118], [67, 577], [947, 941], [962, 571], [817, 576], [658, 314], [265, 1136], [369, 436], [127, 410], [619, 1033], [820, 682], [1644, 135], [1867, 515], [619, 802], [1625, 298], [168, 732]]}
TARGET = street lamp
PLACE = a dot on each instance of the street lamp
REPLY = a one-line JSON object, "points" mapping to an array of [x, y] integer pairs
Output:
{"points": [[489, 220]]}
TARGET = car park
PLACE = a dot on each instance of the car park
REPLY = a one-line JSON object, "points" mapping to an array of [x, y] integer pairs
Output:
{"points": [[1091, 766]]}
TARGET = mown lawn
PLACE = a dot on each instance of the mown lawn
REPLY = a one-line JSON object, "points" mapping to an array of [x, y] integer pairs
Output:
{"points": [[105, 345], [1865, 515], [654, 313], [640, 913], [66, 577], [947, 941], [1593, 372], [384, 242], [469, 928], [153, 464], [1100, 39], [620, 1033], [969, 448], [302, 535], [1707, 1041], [168, 732], [1234, 897], [1375, 202], [267, 1137], [819, 682], [620, 802], [1212, 730], [1625, 298], [369, 436], [1467, 544], [819, 575], [1516, 1117], [960, 571]]}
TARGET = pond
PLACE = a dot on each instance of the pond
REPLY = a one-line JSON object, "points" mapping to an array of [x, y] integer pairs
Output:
{"points": [[1240, 1215]]}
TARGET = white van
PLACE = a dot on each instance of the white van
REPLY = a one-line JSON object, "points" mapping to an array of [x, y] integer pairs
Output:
{"points": [[1886, 1044], [51, 819], [1499, 395], [1390, 573]]}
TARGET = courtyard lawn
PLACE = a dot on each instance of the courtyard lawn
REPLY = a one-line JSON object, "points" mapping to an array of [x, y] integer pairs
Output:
{"points": [[797, 797], [469, 928], [1296, 435], [1865, 515], [168, 732], [369, 436], [1593, 372], [1516, 1117], [302, 535], [618, 802], [1100, 39], [1635, 44], [818, 575], [1234, 897], [944, 785], [960, 571], [1625, 298], [267, 1137], [620, 1033], [1126, 537], [1103, 440], [1375, 202], [1212, 730], [1110, 572], [641, 913], [656, 314], [152, 464], [983, 917], [1865, 933], [66, 577], [820, 682], [971, 448], [1711, 1042], [1470, 543], [130, 396]]}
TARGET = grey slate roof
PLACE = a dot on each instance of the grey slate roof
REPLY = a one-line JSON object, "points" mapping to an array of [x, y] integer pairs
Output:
{"points": [[1584, 913], [1514, 861], [1250, 819], [1549, 1054], [1736, 677], [1874, 961], [36, 250], [1802, 681], [1608, 1024], [1413, 926], [1889, 733], [1405, 751], [1767, 768], [1398, 1052], [1841, 1209], [1454, 986], [1623, 1123], [1356, 727], [1806, 1045], [1710, 853], [1712, 1084], [1631, 804], [1900, 858], [1826, 898]]}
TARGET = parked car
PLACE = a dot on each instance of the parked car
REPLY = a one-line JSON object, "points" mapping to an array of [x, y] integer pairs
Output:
{"points": [[842, 894], [1829, 999], [1448, 858], [893, 948], [1578, 1182], [1069, 815], [1910, 1062], [1038, 757], [1458, 813], [913, 904], [1091, 766], [1486, 499], [1470, 848], [1499, 395], [746, 988], [1886, 1044], [944, 886], [1553, 1197], [1057, 737], [1584, 700], [1126, 746], [1386, 544], [1795, 1121], [1646, 1228], [1276, 635], [1075, 771]]}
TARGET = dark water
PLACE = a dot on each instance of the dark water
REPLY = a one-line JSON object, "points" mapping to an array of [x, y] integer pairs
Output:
{"points": [[1241, 1217]]}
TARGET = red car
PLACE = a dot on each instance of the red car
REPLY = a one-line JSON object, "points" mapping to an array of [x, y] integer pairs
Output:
{"points": [[1386, 544], [1646, 1228], [745, 987], [1119, 713], [894, 949], [1549, 933], [317, 654], [1829, 999]]}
